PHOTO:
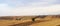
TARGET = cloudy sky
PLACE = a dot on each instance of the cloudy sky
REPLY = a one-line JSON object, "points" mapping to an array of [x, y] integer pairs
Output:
{"points": [[29, 7]]}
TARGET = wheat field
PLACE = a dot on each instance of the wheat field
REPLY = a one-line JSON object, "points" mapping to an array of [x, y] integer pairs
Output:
{"points": [[48, 21]]}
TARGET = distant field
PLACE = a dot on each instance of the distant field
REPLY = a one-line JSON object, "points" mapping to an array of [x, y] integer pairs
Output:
{"points": [[52, 22], [10, 22], [48, 21]]}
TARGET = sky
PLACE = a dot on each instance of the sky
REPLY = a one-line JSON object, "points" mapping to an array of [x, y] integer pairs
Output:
{"points": [[29, 7]]}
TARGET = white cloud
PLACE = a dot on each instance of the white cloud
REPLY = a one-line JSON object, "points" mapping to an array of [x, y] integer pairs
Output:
{"points": [[31, 9], [37, 10], [4, 9], [3, 4]]}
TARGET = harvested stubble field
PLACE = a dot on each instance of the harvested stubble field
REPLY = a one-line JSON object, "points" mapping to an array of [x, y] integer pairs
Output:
{"points": [[39, 22]]}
